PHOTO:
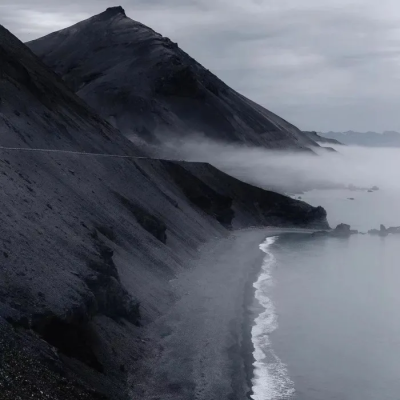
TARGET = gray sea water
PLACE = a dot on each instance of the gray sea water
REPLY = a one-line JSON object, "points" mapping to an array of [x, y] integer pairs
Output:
{"points": [[330, 326]]}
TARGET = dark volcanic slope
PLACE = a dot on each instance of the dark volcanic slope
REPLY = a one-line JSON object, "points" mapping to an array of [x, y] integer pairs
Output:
{"points": [[37, 110], [89, 244], [145, 84], [321, 139]]}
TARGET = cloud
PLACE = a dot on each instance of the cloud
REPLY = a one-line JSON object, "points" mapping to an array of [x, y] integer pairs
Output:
{"points": [[287, 171], [323, 65]]}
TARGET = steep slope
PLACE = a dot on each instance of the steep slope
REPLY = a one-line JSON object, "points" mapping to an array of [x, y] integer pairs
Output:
{"points": [[90, 243], [321, 139], [37, 110], [147, 86]]}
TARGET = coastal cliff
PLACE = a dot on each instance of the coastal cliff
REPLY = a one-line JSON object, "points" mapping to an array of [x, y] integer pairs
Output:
{"points": [[93, 237]]}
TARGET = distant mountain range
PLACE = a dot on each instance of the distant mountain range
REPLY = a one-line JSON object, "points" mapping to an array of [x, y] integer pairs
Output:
{"points": [[369, 139], [312, 135]]}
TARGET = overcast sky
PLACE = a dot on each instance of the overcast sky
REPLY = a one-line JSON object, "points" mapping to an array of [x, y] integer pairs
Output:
{"points": [[321, 64]]}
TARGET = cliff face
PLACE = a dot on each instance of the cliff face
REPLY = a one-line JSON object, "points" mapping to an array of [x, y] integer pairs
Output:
{"points": [[89, 243], [147, 86]]}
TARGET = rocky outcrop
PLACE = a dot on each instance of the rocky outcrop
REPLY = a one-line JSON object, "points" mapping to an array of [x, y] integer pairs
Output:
{"points": [[394, 230], [202, 195], [249, 202], [181, 83], [379, 232], [383, 231], [341, 231], [152, 224]]}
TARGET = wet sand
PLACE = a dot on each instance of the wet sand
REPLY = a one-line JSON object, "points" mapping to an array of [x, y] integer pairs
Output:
{"points": [[202, 347]]}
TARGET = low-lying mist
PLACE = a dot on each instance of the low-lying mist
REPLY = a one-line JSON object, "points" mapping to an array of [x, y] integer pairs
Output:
{"points": [[295, 171]]}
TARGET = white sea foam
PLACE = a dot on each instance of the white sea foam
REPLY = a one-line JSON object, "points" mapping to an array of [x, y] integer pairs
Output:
{"points": [[271, 380]]}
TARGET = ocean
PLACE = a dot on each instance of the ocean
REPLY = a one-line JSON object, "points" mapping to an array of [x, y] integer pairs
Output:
{"points": [[328, 325]]}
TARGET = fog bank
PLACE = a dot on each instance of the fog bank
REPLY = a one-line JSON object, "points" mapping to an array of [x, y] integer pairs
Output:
{"points": [[292, 171]]}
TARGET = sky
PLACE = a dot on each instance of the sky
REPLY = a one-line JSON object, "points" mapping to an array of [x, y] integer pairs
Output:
{"points": [[320, 64]]}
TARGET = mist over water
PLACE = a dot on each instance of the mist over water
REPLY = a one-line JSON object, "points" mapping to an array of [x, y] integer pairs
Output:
{"points": [[349, 165], [333, 303], [328, 328]]}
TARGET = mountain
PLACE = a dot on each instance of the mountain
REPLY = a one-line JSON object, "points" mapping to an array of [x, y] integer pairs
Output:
{"points": [[147, 87], [93, 237], [319, 138], [369, 139]]}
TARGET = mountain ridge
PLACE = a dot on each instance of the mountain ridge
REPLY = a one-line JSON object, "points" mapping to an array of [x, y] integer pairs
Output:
{"points": [[91, 244], [146, 86], [369, 139]]}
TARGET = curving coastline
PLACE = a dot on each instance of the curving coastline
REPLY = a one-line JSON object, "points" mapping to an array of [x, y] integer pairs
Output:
{"points": [[201, 338], [258, 312], [202, 348]]}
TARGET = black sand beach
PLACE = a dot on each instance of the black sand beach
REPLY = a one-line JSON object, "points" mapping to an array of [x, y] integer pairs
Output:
{"points": [[203, 345]]}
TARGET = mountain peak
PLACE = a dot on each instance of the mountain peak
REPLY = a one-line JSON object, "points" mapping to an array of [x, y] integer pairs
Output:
{"points": [[114, 11]]}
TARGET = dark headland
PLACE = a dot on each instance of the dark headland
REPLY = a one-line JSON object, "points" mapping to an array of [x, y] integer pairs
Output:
{"points": [[123, 276]]}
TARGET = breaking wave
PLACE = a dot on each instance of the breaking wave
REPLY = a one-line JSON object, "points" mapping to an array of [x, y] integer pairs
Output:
{"points": [[271, 380]]}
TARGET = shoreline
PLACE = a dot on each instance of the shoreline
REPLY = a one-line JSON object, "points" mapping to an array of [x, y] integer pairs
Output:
{"points": [[252, 308], [198, 343], [249, 315], [203, 346]]}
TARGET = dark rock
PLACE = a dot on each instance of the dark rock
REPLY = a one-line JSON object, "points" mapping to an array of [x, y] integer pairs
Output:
{"points": [[381, 232], [106, 231], [112, 300], [351, 198], [107, 253], [169, 44], [181, 82], [104, 264], [342, 230], [394, 230], [72, 338], [203, 196], [146, 220], [113, 11]]}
